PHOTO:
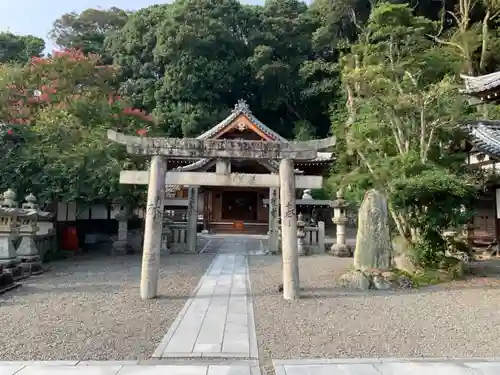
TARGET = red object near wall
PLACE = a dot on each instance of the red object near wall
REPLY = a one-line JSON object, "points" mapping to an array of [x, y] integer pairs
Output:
{"points": [[70, 239]]}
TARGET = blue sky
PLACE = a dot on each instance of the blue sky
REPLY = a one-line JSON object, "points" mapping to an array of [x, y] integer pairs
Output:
{"points": [[35, 17]]}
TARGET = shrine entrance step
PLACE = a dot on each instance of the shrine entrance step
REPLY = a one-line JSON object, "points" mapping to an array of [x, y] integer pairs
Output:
{"points": [[246, 228]]}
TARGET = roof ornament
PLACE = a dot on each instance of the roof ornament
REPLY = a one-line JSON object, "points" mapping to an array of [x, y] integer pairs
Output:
{"points": [[242, 107]]}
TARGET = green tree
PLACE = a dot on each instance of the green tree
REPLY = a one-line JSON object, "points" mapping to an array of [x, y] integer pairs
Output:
{"points": [[87, 30], [400, 132], [19, 48]]}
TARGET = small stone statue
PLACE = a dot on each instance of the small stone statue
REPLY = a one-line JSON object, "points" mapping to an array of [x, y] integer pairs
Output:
{"points": [[307, 194]]}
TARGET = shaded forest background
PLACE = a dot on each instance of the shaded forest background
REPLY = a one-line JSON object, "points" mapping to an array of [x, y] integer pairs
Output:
{"points": [[188, 62]]}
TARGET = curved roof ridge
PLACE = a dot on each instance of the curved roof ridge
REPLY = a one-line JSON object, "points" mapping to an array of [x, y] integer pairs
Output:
{"points": [[242, 108]]}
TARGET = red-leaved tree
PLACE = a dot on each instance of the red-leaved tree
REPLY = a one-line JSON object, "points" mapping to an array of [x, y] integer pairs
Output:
{"points": [[55, 112]]}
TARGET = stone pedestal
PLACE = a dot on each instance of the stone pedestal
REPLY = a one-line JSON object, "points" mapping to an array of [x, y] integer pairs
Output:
{"points": [[301, 234], [153, 227], [192, 219], [291, 285], [27, 250], [273, 221], [9, 230], [6, 281]]}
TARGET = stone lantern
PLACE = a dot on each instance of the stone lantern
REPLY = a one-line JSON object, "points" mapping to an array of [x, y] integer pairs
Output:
{"points": [[340, 248], [27, 249], [301, 234], [120, 245], [9, 231], [165, 235]]}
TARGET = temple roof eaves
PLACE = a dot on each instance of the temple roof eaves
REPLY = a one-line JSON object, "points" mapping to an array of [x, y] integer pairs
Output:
{"points": [[485, 136], [478, 84]]}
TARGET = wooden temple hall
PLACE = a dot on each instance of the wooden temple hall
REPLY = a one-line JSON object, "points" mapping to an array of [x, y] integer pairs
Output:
{"points": [[242, 209], [484, 152]]}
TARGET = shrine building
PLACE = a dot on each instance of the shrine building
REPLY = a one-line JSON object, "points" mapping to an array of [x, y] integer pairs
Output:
{"points": [[226, 209], [484, 152]]}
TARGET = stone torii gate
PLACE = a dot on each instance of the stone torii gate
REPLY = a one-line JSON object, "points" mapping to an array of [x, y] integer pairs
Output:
{"points": [[160, 149]]}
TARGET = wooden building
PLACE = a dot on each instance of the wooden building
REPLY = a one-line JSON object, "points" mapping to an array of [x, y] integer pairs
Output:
{"points": [[484, 152], [226, 209]]}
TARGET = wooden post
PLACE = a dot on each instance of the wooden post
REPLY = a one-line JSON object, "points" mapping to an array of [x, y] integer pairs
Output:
{"points": [[291, 285], [153, 228]]}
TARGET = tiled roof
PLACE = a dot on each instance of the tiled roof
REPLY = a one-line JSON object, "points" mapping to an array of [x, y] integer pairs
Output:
{"points": [[481, 83], [242, 108], [485, 136]]}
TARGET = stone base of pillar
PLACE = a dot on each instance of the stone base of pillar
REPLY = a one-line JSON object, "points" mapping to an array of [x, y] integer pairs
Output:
{"points": [[341, 250], [7, 281], [16, 271], [32, 266], [301, 248], [165, 249]]}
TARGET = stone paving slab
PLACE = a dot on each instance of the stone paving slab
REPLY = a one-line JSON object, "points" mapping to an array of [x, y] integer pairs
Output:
{"points": [[218, 320], [119, 368], [436, 366]]}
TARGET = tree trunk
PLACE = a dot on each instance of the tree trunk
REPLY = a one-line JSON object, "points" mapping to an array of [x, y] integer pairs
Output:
{"points": [[484, 44]]}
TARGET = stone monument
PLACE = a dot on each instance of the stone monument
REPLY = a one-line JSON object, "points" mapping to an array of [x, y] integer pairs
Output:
{"points": [[373, 253]]}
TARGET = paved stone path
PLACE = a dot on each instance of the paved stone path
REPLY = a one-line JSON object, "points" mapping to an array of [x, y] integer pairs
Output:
{"points": [[388, 367], [240, 367], [217, 322], [122, 368]]}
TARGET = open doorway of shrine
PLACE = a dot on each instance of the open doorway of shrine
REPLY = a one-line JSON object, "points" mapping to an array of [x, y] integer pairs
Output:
{"points": [[239, 205]]}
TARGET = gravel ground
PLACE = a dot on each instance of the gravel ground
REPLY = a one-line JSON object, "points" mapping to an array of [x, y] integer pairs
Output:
{"points": [[460, 319], [89, 309]]}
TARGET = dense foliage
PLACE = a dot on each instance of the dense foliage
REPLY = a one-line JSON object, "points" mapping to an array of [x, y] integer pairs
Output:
{"points": [[382, 76], [58, 110]]}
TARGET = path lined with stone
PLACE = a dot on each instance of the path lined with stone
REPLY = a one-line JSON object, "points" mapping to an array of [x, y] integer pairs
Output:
{"points": [[286, 367], [123, 368], [387, 367], [217, 322]]}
